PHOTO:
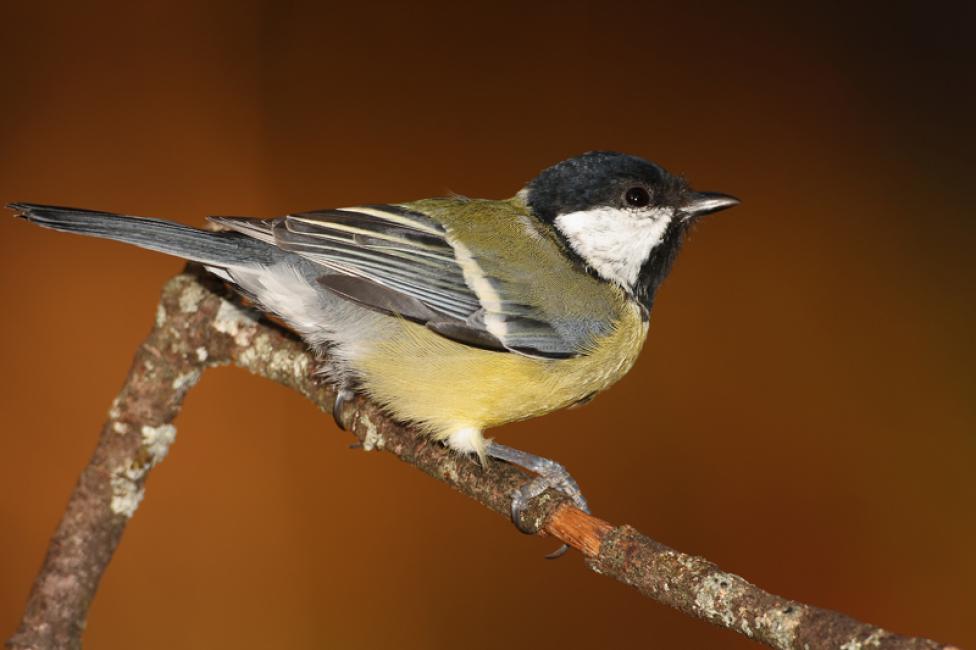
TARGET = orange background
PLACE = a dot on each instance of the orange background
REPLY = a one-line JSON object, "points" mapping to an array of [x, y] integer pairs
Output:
{"points": [[804, 409]]}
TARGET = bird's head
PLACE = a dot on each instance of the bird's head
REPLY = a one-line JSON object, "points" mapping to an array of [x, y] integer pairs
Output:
{"points": [[621, 216]]}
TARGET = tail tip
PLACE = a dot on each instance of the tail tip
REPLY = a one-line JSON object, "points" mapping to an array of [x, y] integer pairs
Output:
{"points": [[20, 210], [41, 211]]}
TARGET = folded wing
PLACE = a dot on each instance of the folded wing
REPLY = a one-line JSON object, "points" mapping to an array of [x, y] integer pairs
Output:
{"points": [[400, 261]]}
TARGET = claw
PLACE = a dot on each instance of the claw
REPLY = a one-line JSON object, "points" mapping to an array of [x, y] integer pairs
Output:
{"points": [[519, 501], [343, 395], [558, 553]]}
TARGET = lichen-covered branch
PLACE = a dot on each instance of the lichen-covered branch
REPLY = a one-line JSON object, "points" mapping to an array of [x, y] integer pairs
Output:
{"points": [[197, 326]]}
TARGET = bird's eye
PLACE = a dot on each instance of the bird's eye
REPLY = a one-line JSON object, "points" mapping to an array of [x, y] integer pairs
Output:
{"points": [[637, 197]]}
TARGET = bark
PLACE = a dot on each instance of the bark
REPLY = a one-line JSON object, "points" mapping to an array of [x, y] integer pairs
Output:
{"points": [[198, 326]]}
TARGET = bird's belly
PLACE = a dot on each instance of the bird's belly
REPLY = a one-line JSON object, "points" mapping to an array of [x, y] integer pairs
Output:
{"points": [[444, 386]]}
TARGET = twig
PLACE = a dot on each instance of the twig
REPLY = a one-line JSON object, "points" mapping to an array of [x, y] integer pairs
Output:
{"points": [[197, 327]]}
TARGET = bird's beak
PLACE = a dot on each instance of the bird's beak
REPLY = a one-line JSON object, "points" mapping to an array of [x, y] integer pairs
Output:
{"points": [[698, 204]]}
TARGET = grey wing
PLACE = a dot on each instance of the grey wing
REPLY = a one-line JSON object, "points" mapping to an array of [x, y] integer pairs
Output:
{"points": [[400, 261]]}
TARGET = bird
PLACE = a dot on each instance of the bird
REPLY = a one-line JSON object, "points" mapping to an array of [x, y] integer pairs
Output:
{"points": [[457, 314]]}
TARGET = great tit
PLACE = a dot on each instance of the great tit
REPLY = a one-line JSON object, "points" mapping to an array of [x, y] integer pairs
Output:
{"points": [[457, 314]]}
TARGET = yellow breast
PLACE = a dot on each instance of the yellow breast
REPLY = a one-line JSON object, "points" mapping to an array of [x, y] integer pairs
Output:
{"points": [[445, 386]]}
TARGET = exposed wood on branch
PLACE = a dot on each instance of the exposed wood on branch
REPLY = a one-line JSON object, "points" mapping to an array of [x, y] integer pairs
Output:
{"points": [[197, 327]]}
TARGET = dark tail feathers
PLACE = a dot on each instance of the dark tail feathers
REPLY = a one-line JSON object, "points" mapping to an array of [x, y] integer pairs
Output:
{"points": [[213, 248]]}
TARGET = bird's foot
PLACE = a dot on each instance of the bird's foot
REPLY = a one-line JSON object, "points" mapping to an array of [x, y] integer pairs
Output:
{"points": [[550, 474]]}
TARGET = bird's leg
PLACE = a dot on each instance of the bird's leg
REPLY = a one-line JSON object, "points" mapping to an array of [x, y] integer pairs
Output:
{"points": [[550, 474]]}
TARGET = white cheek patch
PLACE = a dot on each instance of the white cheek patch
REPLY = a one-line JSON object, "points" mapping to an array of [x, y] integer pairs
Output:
{"points": [[615, 242]]}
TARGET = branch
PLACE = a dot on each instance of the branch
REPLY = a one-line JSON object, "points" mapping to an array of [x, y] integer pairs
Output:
{"points": [[198, 327]]}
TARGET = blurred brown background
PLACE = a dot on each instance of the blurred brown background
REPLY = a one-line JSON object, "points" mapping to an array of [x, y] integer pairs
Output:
{"points": [[803, 412]]}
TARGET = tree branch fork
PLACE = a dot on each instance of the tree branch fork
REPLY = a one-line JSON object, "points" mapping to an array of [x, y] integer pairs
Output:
{"points": [[198, 326]]}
